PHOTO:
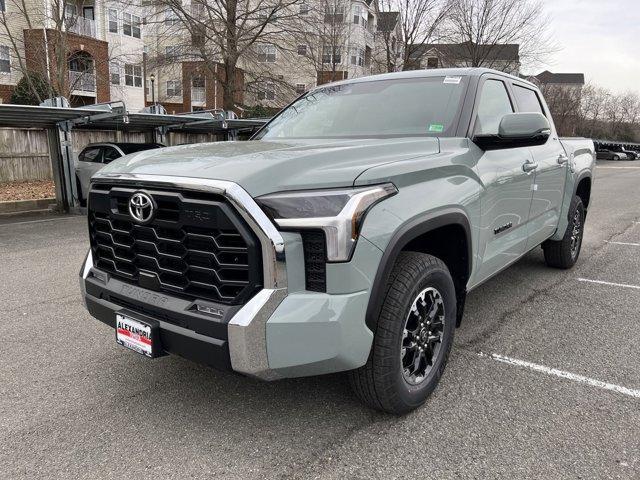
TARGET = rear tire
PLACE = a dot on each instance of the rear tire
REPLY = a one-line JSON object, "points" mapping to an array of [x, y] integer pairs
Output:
{"points": [[413, 338], [564, 253]]}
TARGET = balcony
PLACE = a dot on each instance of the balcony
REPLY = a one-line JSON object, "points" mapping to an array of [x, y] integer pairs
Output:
{"points": [[81, 26], [198, 95], [82, 83]]}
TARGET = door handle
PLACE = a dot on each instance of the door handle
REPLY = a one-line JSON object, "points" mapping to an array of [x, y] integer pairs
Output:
{"points": [[529, 166], [562, 159]]}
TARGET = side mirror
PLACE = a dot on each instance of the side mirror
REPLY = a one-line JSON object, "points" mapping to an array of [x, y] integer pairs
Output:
{"points": [[517, 130]]}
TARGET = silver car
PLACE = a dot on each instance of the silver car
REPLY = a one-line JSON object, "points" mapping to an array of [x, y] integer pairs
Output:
{"points": [[96, 155]]}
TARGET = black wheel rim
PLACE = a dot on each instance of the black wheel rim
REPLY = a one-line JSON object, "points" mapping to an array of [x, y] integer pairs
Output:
{"points": [[576, 233], [422, 337]]}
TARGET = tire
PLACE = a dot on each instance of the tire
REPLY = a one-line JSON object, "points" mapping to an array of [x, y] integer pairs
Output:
{"points": [[564, 253], [616, 157], [384, 383]]}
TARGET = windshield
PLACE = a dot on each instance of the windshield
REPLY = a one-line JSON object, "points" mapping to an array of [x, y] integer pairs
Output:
{"points": [[426, 106]]}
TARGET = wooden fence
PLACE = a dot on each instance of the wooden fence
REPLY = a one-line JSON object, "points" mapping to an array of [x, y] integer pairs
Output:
{"points": [[24, 154]]}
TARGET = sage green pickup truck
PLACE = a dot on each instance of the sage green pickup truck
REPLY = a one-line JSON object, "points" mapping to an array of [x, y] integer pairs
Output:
{"points": [[344, 236]]}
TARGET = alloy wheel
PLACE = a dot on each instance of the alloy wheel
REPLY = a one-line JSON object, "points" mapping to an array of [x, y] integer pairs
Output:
{"points": [[422, 337]]}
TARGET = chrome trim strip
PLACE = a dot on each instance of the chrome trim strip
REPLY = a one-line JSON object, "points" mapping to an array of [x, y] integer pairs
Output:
{"points": [[247, 329]]}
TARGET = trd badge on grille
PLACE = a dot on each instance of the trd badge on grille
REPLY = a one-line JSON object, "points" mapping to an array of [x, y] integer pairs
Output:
{"points": [[141, 207]]}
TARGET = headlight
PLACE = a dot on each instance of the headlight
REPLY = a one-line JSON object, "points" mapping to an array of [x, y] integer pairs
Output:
{"points": [[338, 212]]}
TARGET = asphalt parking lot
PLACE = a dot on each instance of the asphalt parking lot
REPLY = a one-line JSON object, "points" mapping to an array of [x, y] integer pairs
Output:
{"points": [[73, 404]]}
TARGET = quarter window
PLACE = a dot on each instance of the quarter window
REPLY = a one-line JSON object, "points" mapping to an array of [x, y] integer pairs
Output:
{"points": [[110, 154], [527, 100], [494, 104]]}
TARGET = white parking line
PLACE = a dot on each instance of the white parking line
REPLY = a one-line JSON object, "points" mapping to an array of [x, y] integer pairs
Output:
{"points": [[612, 284], [623, 243], [562, 374], [620, 168], [38, 221]]}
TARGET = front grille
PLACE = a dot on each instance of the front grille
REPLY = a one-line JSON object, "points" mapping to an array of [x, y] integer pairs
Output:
{"points": [[315, 258], [196, 246]]}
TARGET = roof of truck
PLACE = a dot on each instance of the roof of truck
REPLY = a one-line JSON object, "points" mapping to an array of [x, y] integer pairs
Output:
{"points": [[431, 72]]}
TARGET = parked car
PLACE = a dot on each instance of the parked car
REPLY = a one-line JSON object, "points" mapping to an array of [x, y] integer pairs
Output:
{"points": [[96, 155], [344, 236], [631, 154], [610, 155]]}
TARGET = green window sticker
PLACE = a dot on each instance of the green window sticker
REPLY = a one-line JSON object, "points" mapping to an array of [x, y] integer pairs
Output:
{"points": [[436, 127]]}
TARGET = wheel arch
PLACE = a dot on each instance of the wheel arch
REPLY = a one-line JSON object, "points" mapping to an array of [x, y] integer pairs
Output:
{"points": [[419, 234], [583, 188]]}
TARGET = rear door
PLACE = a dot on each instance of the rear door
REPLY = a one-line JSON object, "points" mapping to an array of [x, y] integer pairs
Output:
{"points": [[507, 188], [550, 174]]}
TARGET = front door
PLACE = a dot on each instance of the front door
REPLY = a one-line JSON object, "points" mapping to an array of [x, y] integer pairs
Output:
{"points": [[507, 187]]}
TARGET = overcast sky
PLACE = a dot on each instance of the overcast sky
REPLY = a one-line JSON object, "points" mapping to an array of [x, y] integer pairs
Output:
{"points": [[600, 38]]}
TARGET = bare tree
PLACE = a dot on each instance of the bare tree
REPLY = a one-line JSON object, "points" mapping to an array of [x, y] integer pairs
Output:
{"points": [[318, 38], [484, 28], [230, 33], [421, 22], [47, 51]]}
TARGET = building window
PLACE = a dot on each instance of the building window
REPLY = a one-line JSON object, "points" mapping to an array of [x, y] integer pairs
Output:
{"points": [[5, 59], [133, 75], [300, 88], [266, 53], [198, 82], [267, 92], [172, 51], [356, 56], [114, 71], [174, 88], [197, 10], [3, 7], [304, 9], [333, 13], [113, 21], [360, 15], [432, 62], [170, 17], [131, 25], [331, 55], [302, 49]]}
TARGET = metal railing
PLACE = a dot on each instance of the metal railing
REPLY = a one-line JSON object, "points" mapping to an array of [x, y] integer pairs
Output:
{"points": [[82, 26], [82, 81], [198, 95]]}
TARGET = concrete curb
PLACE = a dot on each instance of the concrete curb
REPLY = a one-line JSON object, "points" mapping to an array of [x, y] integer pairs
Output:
{"points": [[21, 206]]}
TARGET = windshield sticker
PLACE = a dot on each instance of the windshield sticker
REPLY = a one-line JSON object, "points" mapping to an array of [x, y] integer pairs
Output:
{"points": [[452, 80], [436, 127]]}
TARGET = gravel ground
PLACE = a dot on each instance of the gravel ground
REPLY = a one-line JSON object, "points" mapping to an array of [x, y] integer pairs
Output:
{"points": [[75, 405], [11, 191]]}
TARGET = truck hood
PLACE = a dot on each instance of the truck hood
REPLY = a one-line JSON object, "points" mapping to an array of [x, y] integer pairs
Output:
{"points": [[262, 167]]}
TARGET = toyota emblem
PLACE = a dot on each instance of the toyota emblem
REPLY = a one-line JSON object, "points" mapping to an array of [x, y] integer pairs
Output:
{"points": [[141, 207]]}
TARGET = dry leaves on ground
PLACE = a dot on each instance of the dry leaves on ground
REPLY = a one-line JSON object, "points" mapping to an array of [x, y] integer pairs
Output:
{"points": [[11, 191]]}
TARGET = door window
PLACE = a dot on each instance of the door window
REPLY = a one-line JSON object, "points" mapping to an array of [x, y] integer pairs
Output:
{"points": [[494, 104], [93, 155], [110, 154], [527, 100]]}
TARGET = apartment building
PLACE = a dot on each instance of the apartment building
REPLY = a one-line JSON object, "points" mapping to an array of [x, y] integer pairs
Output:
{"points": [[91, 52], [323, 41]]}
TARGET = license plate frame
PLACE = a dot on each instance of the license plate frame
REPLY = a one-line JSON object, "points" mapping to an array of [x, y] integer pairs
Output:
{"points": [[139, 335]]}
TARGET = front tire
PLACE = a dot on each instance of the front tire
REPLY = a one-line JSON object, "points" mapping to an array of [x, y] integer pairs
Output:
{"points": [[616, 157], [413, 338], [564, 253]]}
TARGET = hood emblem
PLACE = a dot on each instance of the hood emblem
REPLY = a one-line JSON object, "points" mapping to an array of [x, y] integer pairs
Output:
{"points": [[141, 207]]}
